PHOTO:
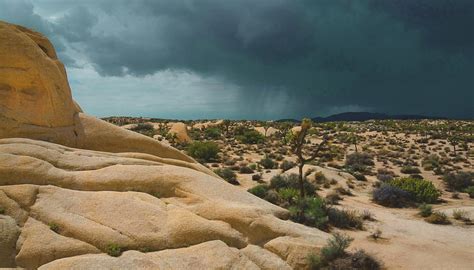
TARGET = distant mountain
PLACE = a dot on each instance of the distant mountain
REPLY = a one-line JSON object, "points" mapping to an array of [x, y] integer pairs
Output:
{"points": [[363, 116]]}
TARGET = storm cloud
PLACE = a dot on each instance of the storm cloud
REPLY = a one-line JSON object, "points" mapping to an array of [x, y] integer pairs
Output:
{"points": [[274, 58]]}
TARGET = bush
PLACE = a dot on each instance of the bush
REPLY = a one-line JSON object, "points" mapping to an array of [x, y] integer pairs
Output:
{"points": [[333, 198], [438, 218], [289, 195], [425, 210], [359, 176], [54, 227], [460, 214], [251, 137], [205, 151], [286, 165], [458, 181], [359, 260], [291, 181], [470, 191], [336, 247], [212, 133], [391, 196], [2, 210], [257, 177], [228, 175], [359, 162], [114, 250], [421, 190], [410, 170], [259, 191], [273, 197], [345, 219], [310, 211], [245, 170], [267, 163], [430, 162]]}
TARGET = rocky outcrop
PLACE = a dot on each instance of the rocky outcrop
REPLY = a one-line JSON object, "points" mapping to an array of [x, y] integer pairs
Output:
{"points": [[180, 130], [72, 187]]}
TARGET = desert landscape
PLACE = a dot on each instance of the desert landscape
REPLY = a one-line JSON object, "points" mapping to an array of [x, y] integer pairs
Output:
{"points": [[348, 191]]}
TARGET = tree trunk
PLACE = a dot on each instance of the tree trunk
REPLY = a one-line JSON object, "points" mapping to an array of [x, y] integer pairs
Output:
{"points": [[300, 167]]}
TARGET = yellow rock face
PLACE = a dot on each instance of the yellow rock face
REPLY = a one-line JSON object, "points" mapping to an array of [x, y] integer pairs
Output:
{"points": [[32, 77]]}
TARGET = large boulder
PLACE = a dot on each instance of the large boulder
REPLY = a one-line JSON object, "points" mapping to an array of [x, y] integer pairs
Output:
{"points": [[73, 188], [180, 130]]}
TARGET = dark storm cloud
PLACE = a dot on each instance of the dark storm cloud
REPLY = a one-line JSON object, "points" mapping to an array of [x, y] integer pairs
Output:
{"points": [[397, 56]]}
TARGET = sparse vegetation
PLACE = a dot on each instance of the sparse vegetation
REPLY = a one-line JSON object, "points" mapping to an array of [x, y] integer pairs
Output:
{"points": [[228, 175], [114, 250], [205, 151]]}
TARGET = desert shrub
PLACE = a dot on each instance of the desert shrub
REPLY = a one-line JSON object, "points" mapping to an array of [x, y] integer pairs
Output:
{"points": [[460, 214], [421, 190], [273, 197], [359, 260], [212, 133], [259, 191], [359, 161], [438, 218], [458, 181], [228, 175], [470, 191], [267, 163], [54, 227], [114, 250], [314, 261], [289, 195], [251, 137], [410, 170], [311, 211], [359, 176], [286, 165], [245, 170], [333, 198], [2, 210], [319, 177], [425, 210], [344, 219], [384, 177], [430, 162], [205, 151], [290, 181], [144, 128], [367, 215], [253, 166], [391, 196], [257, 177], [336, 247]]}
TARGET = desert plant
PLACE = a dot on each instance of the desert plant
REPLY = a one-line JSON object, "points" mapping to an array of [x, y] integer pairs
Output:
{"points": [[460, 214], [245, 170], [425, 210], [291, 181], [344, 219], [470, 191], [335, 247], [212, 133], [359, 260], [251, 137], [228, 175], [114, 250], [410, 170], [421, 190], [205, 151], [359, 162], [297, 141], [376, 234], [259, 190], [2, 210], [54, 227], [267, 163], [257, 177], [391, 196], [438, 218], [367, 215], [286, 165], [459, 181], [288, 194]]}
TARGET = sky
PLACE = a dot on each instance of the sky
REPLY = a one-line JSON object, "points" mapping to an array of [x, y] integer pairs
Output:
{"points": [[260, 59]]}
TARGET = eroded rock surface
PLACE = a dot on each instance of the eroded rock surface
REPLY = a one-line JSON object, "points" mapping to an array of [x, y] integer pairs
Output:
{"points": [[72, 186]]}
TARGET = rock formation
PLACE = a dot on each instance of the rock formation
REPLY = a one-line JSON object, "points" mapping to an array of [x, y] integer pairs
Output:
{"points": [[181, 132], [73, 188]]}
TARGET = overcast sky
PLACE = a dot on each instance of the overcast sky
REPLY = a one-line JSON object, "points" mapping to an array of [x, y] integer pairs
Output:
{"points": [[260, 59]]}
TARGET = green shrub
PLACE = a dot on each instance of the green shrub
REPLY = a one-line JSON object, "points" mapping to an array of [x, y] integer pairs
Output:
{"points": [[288, 194], [212, 133], [314, 262], [336, 247], [391, 196], [144, 128], [257, 177], [228, 175], [272, 197], [359, 162], [251, 137], [438, 218], [425, 210], [206, 151], [291, 181], [245, 170], [460, 214], [286, 165], [54, 227], [345, 219], [114, 250], [459, 181], [470, 191], [2, 210], [421, 190], [267, 163], [310, 211], [410, 170], [259, 191], [359, 260]]}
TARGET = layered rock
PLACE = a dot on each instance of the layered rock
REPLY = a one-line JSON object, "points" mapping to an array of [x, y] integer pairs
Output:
{"points": [[72, 186]]}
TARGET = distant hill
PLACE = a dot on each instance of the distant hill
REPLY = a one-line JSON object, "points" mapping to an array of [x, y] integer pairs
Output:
{"points": [[364, 116]]}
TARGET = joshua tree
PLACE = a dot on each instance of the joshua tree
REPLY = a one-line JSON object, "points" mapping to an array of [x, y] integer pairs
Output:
{"points": [[226, 124], [297, 141]]}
